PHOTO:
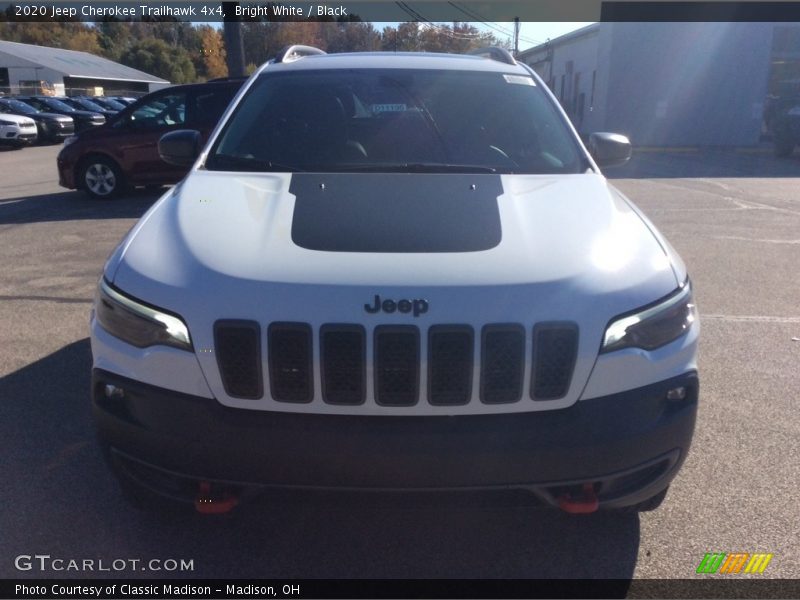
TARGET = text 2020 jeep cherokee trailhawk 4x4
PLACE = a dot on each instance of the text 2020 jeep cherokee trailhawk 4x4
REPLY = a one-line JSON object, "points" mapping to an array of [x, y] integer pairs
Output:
{"points": [[395, 272]]}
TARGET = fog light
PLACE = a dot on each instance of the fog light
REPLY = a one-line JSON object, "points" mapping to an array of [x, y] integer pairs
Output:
{"points": [[112, 391], [678, 393]]}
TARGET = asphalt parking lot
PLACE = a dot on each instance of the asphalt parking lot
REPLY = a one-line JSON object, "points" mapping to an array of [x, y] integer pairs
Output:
{"points": [[733, 216]]}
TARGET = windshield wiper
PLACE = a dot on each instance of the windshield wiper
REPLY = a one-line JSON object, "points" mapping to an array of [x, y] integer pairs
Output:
{"points": [[414, 168], [246, 163]]}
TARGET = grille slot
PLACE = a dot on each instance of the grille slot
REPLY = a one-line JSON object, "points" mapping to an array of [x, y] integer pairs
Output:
{"points": [[290, 370], [502, 363], [343, 364], [450, 360], [238, 350], [396, 365], [555, 349]]}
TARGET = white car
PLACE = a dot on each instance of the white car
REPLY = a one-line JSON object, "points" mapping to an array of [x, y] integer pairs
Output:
{"points": [[392, 271], [16, 130]]}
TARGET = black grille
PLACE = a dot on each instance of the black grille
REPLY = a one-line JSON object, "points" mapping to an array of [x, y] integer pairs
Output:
{"points": [[555, 348], [290, 372], [396, 365], [238, 349], [502, 363], [449, 365], [343, 364]]}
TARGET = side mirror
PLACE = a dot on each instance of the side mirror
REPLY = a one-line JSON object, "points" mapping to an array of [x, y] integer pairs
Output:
{"points": [[609, 149], [179, 148]]}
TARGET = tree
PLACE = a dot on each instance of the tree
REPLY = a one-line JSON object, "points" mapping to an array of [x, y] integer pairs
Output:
{"points": [[212, 51], [158, 58], [115, 37], [457, 38], [83, 40], [67, 35], [346, 36]]}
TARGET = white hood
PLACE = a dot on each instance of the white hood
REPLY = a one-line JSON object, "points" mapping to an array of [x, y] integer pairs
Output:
{"points": [[18, 119], [220, 246]]}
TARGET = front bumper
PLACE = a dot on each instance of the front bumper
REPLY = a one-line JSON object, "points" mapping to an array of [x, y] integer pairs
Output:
{"points": [[54, 132], [19, 138], [629, 445]]}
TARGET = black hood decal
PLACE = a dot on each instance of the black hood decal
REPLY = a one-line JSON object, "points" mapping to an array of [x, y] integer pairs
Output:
{"points": [[396, 212]]}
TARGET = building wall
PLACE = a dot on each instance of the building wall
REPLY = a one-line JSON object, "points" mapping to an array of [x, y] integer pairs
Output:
{"points": [[568, 68], [84, 85], [667, 84], [20, 69], [574, 64], [687, 83], [23, 70]]}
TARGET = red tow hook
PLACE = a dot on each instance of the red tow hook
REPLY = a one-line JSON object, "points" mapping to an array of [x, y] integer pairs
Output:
{"points": [[583, 506], [207, 504]]}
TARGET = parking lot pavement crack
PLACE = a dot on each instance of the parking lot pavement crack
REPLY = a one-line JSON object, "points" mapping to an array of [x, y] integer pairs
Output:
{"points": [[747, 239], [57, 299], [749, 318], [740, 203]]}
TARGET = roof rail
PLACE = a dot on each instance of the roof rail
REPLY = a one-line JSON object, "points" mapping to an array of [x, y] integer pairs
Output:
{"points": [[495, 53], [290, 53]]}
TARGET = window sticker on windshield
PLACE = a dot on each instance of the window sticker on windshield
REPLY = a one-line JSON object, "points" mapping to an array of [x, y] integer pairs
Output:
{"points": [[519, 79], [381, 108]]}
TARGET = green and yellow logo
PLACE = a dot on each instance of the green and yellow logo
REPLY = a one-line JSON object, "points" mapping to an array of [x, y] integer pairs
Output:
{"points": [[733, 563]]}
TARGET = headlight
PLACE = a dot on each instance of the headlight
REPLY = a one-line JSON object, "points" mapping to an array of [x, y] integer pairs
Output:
{"points": [[7, 122], [136, 323], [653, 327], [70, 139]]}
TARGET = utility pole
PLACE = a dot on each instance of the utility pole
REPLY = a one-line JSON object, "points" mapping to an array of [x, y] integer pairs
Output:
{"points": [[516, 36], [232, 34]]}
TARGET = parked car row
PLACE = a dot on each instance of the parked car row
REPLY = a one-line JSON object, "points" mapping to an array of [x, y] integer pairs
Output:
{"points": [[50, 126], [25, 120], [111, 144], [123, 151]]}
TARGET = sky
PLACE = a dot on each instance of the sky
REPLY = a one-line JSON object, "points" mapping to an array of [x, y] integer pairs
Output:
{"points": [[531, 34]]}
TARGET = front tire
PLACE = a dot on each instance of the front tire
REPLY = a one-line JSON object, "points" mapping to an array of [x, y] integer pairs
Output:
{"points": [[101, 178]]}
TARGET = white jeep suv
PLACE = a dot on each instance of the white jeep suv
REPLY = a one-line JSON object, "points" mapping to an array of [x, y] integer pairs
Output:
{"points": [[392, 271], [16, 130]]}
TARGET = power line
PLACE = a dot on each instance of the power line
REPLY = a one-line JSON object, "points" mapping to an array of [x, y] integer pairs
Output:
{"points": [[410, 11], [441, 29], [492, 25]]}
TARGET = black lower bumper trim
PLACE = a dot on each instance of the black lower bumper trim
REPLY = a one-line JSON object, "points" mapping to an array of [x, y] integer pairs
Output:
{"points": [[631, 444]]}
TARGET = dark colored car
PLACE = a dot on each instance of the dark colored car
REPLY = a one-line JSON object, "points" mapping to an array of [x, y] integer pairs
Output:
{"points": [[84, 119], [106, 103], [105, 160], [124, 100], [51, 126], [86, 104]]}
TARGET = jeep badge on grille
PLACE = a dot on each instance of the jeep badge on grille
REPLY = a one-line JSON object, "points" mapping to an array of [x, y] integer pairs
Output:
{"points": [[417, 306]]}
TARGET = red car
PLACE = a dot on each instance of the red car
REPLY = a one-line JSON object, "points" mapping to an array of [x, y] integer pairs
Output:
{"points": [[105, 160]]}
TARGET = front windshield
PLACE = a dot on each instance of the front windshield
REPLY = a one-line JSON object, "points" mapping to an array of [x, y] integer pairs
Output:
{"points": [[109, 103], [89, 105], [384, 120], [21, 107], [58, 105]]}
